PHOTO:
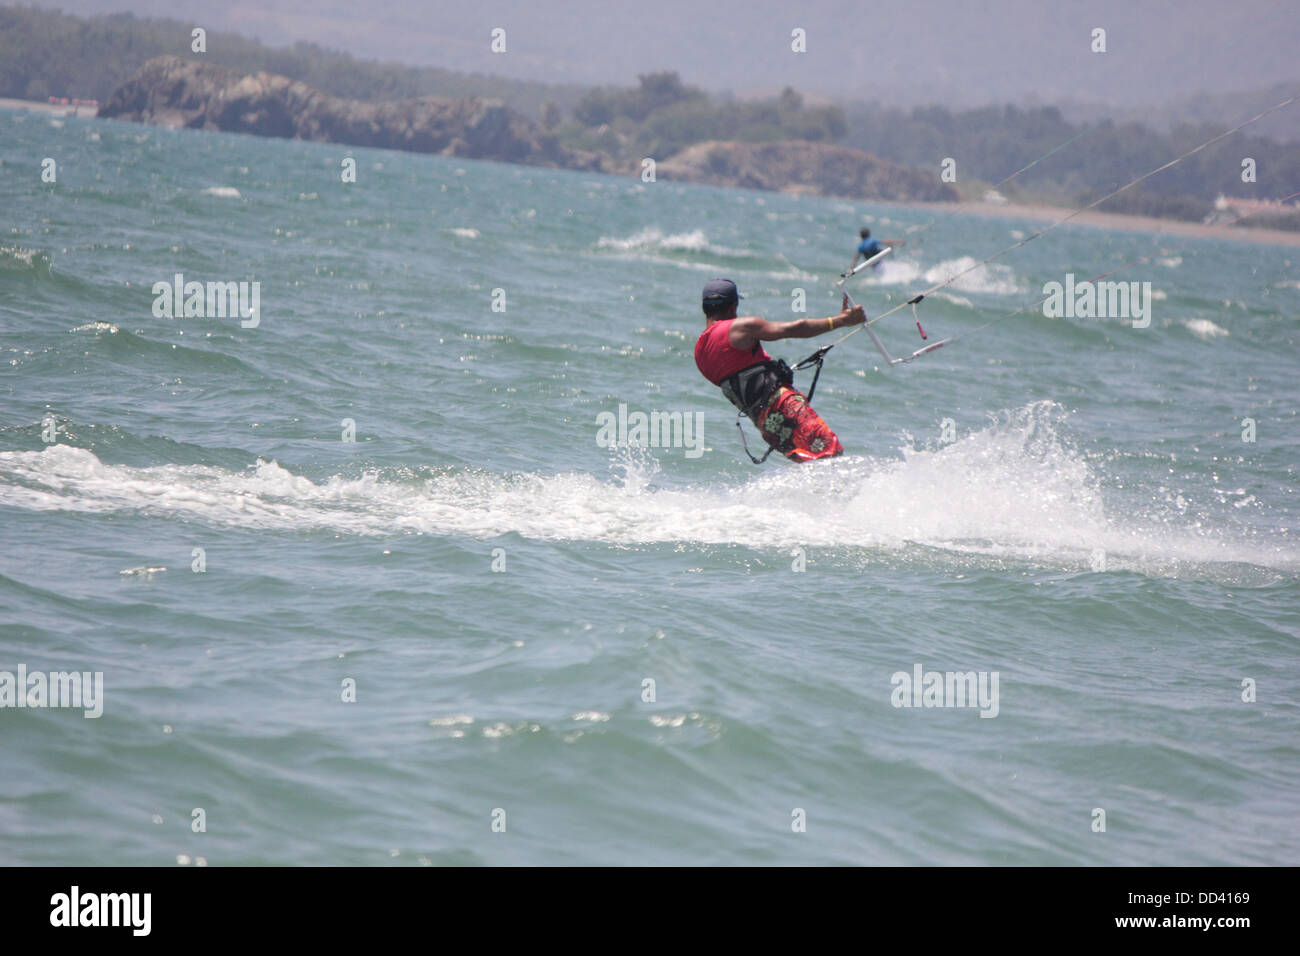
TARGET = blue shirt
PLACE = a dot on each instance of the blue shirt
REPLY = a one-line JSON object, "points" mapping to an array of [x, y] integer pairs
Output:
{"points": [[869, 247]]}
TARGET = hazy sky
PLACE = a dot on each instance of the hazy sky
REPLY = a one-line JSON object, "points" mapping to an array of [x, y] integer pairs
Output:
{"points": [[959, 51]]}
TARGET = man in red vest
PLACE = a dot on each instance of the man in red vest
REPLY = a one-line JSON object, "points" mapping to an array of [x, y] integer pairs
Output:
{"points": [[729, 355]]}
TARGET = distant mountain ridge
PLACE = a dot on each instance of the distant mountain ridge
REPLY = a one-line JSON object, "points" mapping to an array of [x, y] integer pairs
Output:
{"points": [[170, 91], [173, 92], [1203, 108], [50, 53], [612, 128]]}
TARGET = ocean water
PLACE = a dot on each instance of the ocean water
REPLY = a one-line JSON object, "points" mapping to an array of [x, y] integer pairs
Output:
{"points": [[563, 652]]}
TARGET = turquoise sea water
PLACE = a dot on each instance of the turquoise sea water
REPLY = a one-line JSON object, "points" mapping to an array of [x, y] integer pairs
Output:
{"points": [[501, 587]]}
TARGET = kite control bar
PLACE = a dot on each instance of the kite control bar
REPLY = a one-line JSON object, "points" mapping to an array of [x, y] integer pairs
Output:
{"points": [[875, 339]]}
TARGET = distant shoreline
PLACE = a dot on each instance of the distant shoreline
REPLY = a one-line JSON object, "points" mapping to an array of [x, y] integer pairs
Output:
{"points": [[40, 106], [1112, 220], [1010, 210]]}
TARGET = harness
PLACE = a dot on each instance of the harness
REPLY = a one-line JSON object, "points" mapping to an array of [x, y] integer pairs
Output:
{"points": [[752, 387], [751, 390]]}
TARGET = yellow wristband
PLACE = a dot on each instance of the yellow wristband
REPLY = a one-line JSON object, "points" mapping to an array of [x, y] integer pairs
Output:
{"points": [[831, 320]]}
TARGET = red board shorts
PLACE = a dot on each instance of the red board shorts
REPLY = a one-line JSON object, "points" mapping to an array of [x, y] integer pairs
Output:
{"points": [[790, 425]]}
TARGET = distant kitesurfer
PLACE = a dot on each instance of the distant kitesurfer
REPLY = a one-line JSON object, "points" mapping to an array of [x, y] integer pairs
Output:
{"points": [[729, 354], [868, 247]]}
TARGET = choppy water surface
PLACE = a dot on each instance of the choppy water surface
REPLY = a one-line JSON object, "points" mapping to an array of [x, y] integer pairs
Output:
{"points": [[1098, 533]]}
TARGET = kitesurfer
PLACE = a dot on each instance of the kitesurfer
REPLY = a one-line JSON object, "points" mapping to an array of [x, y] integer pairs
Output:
{"points": [[729, 354], [869, 247]]}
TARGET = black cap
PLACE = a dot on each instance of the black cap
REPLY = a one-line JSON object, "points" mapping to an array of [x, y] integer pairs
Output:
{"points": [[720, 291]]}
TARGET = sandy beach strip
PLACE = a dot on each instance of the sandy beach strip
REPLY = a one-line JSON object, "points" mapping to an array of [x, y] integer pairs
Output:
{"points": [[56, 109], [1113, 220]]}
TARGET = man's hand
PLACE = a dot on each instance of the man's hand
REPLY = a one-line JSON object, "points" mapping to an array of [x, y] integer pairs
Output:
{"points": [[850, 315]]}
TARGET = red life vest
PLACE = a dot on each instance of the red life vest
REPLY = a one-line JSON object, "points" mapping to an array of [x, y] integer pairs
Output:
{"points": [[748, 380], [717, 359]]}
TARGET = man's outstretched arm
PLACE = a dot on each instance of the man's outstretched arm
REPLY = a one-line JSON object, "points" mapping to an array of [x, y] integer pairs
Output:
{"points": [[747, 332]]}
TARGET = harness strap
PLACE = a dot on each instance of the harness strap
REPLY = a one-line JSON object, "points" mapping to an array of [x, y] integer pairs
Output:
{"points": [[817, 359], [816, 375], [745, 444]]}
